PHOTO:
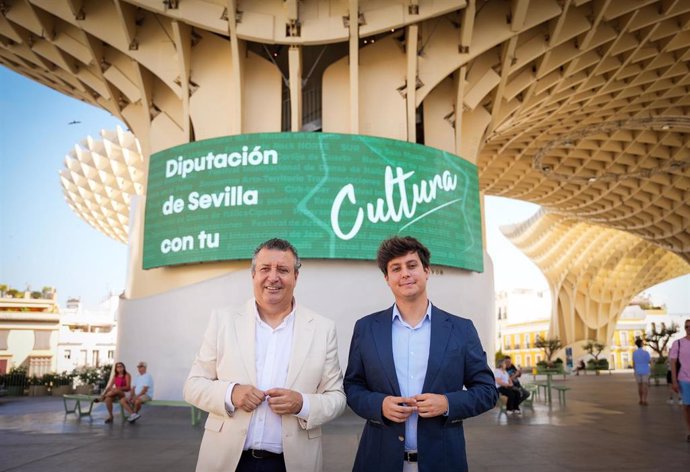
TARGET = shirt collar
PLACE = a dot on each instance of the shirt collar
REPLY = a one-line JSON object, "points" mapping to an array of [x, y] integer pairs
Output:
{"points": [[396, 314], [286, 321]]}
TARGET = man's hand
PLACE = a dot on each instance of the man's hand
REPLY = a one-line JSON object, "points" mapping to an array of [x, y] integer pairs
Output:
{"points": [[398, 409], [431, 404], [247, 397], [675, 387], [283, 401]]}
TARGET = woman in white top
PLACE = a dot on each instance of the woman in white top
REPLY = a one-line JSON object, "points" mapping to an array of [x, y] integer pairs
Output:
{"points": [[505, 387]]}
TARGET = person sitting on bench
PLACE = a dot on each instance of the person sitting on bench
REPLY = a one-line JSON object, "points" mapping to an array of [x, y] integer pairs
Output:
{"points": [[505, 387], [120, 383], [141, 392]]}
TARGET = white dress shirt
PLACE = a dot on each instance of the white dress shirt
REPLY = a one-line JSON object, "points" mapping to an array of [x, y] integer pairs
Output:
{"points": [[411, 355], [273, 352]]}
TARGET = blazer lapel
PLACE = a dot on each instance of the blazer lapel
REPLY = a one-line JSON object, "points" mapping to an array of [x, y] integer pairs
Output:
{"points": [[383, 339], [440, 334], [245, 330], [302, 336]]}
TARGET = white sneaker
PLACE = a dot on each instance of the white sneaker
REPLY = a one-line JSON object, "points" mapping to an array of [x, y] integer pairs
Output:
{"points": [[680, 402], [670, 401], [133, 417]]}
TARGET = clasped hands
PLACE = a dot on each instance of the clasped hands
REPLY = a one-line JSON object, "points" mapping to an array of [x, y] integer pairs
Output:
{"points": [[428, 405], [282, 401]]}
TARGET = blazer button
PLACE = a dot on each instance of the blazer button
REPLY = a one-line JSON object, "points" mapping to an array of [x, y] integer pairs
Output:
{"points": [[401, 438]]}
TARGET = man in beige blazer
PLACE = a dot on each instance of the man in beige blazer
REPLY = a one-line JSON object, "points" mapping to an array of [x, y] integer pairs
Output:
{"points": [[268, 374]]}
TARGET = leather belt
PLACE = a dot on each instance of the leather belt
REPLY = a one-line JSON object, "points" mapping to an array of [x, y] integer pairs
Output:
{"points": [[410, 457], [260, 454]]}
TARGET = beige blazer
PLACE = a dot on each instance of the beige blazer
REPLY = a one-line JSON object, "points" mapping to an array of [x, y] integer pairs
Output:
{"points": [[228, 354]]}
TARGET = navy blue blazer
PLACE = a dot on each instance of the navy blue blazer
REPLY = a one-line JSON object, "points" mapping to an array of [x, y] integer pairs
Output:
{"points": [[456, 360]]}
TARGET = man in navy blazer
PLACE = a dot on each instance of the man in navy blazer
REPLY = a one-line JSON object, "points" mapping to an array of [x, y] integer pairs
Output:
{"points": [[414, 373]]}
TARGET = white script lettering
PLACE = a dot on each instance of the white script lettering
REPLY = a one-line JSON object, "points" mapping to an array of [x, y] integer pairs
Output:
{"points": [[387, 208]]}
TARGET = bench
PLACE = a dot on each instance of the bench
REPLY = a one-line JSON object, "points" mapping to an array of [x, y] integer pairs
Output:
{"points": [[561, 389], [80, 410], [194, 411], [502, 403], [596, 371], [76, 407], [538, 386], [533, 390]]}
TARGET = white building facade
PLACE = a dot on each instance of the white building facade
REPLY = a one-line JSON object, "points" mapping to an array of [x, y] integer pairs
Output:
{"points": [[87, 336]]}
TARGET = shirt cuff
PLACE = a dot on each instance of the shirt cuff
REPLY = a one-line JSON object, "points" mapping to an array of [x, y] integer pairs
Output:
{"points": [[304, 412], [229, 407]]}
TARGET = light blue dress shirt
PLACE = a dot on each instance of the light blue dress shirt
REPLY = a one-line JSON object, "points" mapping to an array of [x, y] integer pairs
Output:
{"points": [[411, 355]]}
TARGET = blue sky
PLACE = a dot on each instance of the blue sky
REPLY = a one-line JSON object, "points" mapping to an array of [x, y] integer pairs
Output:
{"points": [[44, 243]]}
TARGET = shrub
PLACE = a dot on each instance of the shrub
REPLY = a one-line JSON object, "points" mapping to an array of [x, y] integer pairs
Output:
{"points": [[63, 379], [87, 375], [35, 380]]}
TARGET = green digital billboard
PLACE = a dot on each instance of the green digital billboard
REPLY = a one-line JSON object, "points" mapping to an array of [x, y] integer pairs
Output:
{"points": [[334, 196]]}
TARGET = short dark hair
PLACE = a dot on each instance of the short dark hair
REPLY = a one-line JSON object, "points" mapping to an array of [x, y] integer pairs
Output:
{"points": [[398, 246], [638, 342], [280, 245]]}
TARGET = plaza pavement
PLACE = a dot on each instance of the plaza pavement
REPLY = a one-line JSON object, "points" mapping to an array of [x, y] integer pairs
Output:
{"points": [[601, 428]]}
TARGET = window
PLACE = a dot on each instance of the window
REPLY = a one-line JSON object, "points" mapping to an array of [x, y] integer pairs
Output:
{"points": [[111, 355], [95, 358], [623, 338], [39, 366], [68, 354], [528, 360], [82, 357], [625, 360]]}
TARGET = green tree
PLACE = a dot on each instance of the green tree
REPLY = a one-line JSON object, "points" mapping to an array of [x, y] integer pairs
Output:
{"points": [[594, 349], [658, 338], [550, 346]]}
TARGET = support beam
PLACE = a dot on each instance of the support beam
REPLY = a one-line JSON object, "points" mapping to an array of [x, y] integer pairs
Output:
{"points": [[126, 14], [459, 107], [182, 34], [77, 9], [411, 95], [467, 27], [236, 84], [506, 65], [295, 64], [354, 66]]}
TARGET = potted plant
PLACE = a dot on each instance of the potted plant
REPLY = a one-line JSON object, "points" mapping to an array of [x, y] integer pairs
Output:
{"points": [[594, 349], [62, 384], [550, 346], [37, 387]]}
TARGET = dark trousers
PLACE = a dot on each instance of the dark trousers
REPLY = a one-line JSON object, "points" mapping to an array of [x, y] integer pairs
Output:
{"points": [[513, 397], [248, 463]]}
